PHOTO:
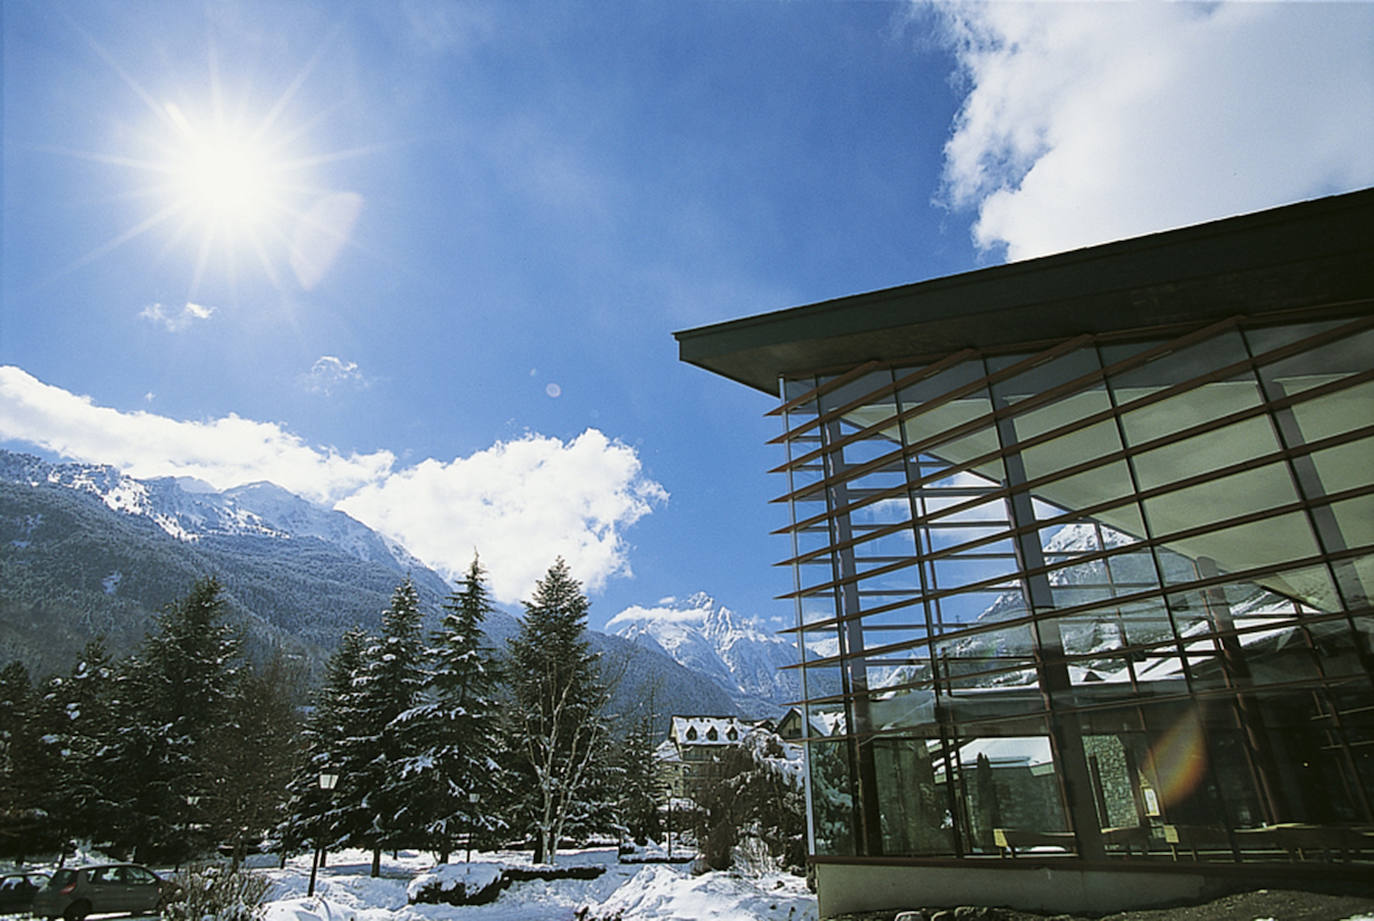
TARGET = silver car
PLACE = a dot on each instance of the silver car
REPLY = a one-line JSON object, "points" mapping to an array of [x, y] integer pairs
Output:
{"points": [[73, 894]]}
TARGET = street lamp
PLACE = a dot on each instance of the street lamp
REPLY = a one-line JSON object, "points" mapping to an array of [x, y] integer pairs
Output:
{"points": [[670, 818], [327, 783], [473, 799]]}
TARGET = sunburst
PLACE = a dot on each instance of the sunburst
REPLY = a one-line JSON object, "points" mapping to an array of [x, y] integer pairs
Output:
{"points": [[228, 190]]}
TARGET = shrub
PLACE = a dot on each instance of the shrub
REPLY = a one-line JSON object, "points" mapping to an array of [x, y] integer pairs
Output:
{"points": [[218, 892]]}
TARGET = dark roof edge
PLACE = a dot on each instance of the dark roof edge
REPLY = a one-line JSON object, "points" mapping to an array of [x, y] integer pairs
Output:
{"points": [[1160, 258], [1188, 233]]}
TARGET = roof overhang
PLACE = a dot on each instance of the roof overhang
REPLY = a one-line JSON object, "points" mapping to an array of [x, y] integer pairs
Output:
{"points": [[1310, 254]]}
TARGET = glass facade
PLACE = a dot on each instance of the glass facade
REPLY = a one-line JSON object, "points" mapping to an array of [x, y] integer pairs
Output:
{"points": [[1104, 598]]}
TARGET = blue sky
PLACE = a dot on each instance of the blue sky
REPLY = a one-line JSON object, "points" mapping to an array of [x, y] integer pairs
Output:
{"points": [[423, 261]]}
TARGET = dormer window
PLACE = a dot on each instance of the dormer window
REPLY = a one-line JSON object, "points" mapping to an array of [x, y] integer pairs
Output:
{"points": [[691, 735], [711, 734], [732, 735]]}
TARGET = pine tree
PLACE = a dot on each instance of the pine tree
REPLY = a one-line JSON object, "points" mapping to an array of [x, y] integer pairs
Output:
{"points": [[82, 704], [256, 753], [391, 686], [178, 692], [556, 715], [333, 737], [457, 728], [638, 789], [28, 767]]}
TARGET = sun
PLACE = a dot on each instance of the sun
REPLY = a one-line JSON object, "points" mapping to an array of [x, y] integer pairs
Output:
{"points": [[228, 179], [223, 178], [238, 192]]}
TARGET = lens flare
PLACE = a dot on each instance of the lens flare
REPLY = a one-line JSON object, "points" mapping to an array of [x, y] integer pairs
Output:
{"points": [[1180, 759]]}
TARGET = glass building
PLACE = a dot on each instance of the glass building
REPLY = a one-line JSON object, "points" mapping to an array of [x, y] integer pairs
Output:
{"points": [[1082, 556]]}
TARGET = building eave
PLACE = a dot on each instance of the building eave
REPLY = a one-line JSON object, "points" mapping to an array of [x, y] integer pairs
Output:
{"points": [[1293, 257]]}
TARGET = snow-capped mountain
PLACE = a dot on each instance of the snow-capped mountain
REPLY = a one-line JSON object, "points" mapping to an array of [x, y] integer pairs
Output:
{"points": [[190, 510], [87, 550], [732, 650]]}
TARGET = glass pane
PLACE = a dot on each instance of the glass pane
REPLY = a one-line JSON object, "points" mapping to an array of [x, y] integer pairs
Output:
{"points": [[1099, 485], [1335, 413], [1347, 354], [1216, 500], [1063, 411], [1071, 449], [1210, 451], [832, 798], [1356, 579], [1172, 367], [1355, 520], [1193, 407], [913, 811], [1041, 376], [1010, 796], [1346, 466], [855, 389]]}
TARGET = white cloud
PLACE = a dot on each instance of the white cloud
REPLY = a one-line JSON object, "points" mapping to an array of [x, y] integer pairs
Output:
{"points": [[520, 504], [661, 615], [1085, 123], [224, 452], [329, 373], [176, 319]]}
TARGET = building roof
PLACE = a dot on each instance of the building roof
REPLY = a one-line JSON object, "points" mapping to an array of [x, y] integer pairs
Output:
{"points": [[707, 730], [1297, 256]]}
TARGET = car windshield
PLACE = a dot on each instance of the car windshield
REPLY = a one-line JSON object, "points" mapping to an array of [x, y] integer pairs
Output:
{"points": [[61, 878]]}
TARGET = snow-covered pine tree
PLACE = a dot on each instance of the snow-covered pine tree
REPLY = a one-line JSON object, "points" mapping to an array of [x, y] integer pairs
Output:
{"points": [[557, 707], [392, 683], [457, 726], [28, 767], [638, 789], [177, 696], [82, 704], [334, 743], [257, 754]]}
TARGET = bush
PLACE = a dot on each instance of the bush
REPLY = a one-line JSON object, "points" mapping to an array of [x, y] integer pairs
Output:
{"points": [[218, 892]]}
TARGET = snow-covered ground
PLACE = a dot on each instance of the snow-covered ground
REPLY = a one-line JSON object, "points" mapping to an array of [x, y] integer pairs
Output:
{"points": [[344, 891], [625, 892]]}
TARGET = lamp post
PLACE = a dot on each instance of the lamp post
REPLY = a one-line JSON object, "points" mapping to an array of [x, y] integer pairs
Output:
{"points": [[473, 799], [327, 783], [670, 818]]}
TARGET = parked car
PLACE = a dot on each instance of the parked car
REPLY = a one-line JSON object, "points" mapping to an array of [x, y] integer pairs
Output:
{"points": [[17, 891], [73, 894]]}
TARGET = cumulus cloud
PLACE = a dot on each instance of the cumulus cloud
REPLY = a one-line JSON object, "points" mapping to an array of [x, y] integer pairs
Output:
{"points": [[1084, 123], [662, 613], [224, 452], [520, 504], [330, 373], [176, 319]]}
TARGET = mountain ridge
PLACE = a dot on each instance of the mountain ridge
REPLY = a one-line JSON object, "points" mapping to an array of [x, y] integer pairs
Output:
{"points": [[729, 648], [86, 550]]}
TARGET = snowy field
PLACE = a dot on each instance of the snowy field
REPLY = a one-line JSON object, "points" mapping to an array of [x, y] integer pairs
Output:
{"points": [[625, 892]]}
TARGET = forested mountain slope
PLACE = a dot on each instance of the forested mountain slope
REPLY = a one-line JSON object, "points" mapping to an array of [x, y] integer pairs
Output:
{"points": [[87, 551]]}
